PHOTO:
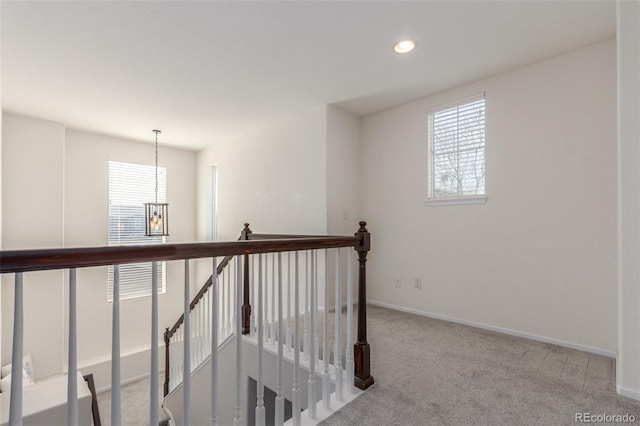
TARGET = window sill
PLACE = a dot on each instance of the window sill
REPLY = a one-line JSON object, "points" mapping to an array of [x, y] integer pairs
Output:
{"points": [[455, 201]]}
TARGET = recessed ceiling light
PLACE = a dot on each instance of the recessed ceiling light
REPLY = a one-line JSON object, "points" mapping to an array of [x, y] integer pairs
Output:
{"points": [[404, 46]]}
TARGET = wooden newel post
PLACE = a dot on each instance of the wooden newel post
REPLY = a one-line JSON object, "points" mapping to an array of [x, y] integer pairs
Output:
{"points": [[362, 352], [246, 305], [166, 361]]}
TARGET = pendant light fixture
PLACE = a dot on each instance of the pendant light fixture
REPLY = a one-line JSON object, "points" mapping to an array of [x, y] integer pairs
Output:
{"points": [[156, 214]]}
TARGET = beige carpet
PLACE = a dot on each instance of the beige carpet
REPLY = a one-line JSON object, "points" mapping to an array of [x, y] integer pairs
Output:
{"points": [[135, 404], [432, 372]]}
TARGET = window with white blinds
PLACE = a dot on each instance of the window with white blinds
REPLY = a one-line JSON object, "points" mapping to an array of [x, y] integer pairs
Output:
{"points": [[130, 186], [456, 150]]}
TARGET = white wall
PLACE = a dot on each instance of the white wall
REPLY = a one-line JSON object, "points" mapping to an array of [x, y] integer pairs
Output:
{"points": [[539, 258], [275, 178], [297, 176], [86, 197], [343, 184], [70, 169], [628, 38], [343, 172], [32, 211]]}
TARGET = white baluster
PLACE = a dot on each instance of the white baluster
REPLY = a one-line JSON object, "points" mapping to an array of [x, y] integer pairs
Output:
{"points": [[214, 345], [295, 391], [337, 350], [231, 301], [223, 307], [207, 321], [195, 334], [307, 308], [311, 392], [326, 379], [154, 401], [237, 419], [235, 277], [272, 330], [265, 295], [180, 356], [172, 362], [204, 339], [200, 330], [15, 403], [288, 332], [220, 307], [314, 307], [72, 374], [213, 311], [178, 359], [349, 355], [260, 411], [279, 416], [186, 373], [217, 307], [173, 358], [116, 418], [252, 321], [203, 327], [193, 317], [229, 298]]}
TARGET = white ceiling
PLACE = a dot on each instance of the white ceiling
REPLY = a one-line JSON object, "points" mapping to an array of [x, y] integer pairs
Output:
{"points": [[209, 71]]}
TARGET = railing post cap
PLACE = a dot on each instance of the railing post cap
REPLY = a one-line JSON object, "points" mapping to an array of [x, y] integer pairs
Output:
{"points": [[365, 243]]}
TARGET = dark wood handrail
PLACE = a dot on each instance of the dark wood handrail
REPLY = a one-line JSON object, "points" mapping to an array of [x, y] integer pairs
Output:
{"points": [[253, 236], [248, 235], [19, 261], [48, 259]]}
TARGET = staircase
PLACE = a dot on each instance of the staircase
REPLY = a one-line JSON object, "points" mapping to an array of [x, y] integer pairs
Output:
{"points": [[273, 328], [259, 318]]}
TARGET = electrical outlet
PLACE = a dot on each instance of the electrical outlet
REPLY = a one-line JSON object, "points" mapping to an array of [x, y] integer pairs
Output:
{"points": [[418, 283], [398, 283]]}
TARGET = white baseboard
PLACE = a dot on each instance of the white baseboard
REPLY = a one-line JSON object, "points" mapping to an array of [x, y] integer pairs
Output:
{"points": [[517, 333], [628, 392], [134, 366]]}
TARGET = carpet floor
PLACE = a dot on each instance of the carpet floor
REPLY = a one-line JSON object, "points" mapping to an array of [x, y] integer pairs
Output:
{"points": [[433, 372]]}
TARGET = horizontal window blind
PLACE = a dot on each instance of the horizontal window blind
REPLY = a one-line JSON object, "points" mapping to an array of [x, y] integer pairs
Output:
{"points": [[130, 186], [456, 150]]}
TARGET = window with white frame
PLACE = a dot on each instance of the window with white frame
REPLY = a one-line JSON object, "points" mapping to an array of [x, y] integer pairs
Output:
{"points": [[131, 185], [456, 151]]}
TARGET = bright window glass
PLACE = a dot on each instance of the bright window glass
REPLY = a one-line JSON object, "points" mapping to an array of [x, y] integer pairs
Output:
{"points": [[456, 151], [130, 186]]}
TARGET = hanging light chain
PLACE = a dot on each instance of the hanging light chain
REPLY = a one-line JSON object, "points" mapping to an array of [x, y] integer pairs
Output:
{"points": [[156, 213], [156, 132]]}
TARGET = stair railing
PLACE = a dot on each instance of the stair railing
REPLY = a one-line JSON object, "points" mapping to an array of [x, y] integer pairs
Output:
{"points": [[21, 262], [171, 334], [202, 313]]}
